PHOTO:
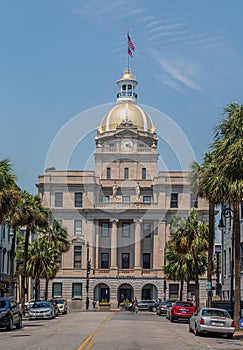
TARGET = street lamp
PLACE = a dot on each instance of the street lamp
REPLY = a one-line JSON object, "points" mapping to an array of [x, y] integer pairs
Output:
{"points": [[88, 268], [227, 214]]}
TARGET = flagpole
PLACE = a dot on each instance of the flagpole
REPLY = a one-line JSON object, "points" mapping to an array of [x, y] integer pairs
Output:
{"points": [[127, 60]]}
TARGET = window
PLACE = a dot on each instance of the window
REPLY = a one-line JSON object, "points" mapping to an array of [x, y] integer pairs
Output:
{"points": [[105, 199], [146, 199], [194, 202], [146, 230], [58, 199], [105, 229], [108, 173], [241, 256], [104, 260], [146, 261], [125, 260], [174, 200], [78, 199], [58, 261], [126, 199], [125, 229], [77, 257], [126, 173], [77, 290], [241, 210], [143, 173], [56, 290], [77, 227]]}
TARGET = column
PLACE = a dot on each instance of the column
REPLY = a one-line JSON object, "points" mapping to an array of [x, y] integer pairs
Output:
{"points": [[114, 225], [137, 244]]}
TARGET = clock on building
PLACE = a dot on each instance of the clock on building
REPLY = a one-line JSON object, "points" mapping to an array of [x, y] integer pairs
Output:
{"points": [[126, 145]]}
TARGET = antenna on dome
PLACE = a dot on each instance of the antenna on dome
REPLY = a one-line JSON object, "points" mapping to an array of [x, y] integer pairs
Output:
{"points": [[130, 49]]}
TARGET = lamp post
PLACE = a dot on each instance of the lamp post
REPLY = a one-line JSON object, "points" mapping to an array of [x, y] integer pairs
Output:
{"points": [[12, 235], [227, 214], [87, 277], [217, 253]]}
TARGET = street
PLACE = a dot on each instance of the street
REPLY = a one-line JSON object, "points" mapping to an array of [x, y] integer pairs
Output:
{"points": [[108, 331]]}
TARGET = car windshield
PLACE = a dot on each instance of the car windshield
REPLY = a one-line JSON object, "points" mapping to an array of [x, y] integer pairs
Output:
{"points": [[181, 303], [59, 301], [219, 313], [41, 304], [4, 304]]}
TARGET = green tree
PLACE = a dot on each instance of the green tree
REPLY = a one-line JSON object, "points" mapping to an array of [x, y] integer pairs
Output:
{"points": [[40, 262], [189, 243], [31, 215], [203, 181], [227, 149], [57, 240]]}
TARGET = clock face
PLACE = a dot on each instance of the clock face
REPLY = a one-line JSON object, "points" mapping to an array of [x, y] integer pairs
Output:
{"points": [[126, 145]]}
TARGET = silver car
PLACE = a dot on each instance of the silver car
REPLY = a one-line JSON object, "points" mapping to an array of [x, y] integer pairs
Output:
{"points": [[212, 320], [41, 310]]}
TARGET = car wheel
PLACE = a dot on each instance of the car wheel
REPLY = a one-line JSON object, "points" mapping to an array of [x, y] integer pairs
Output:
{"points": [[230, 336], [153, 308], [19, 324], [10, 325]]}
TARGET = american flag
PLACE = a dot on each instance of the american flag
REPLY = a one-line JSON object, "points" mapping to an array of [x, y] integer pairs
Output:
{"points": [[130, 52], [130, 43]]}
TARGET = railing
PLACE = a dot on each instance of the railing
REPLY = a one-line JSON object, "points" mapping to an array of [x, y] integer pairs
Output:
{"points": [[121, 205], [126, 93]]}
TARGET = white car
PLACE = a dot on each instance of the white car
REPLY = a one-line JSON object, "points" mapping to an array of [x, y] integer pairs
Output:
{"points": [[212, 320], [41, 310]]}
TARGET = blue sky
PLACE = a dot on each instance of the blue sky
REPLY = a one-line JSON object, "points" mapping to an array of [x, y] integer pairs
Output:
{"points": [[62, 57]]}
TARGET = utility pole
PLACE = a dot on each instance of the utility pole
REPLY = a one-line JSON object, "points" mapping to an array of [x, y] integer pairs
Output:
{"points": [[87, 277]]}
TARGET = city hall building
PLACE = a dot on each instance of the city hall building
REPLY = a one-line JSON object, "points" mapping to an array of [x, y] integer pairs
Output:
{"points": [[118, 215]]}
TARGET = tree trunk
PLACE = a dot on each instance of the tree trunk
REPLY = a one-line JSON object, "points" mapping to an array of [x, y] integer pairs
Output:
{"points": [[181, 290], [46, 288], [237, 290], [210, 248], [23, 275]]}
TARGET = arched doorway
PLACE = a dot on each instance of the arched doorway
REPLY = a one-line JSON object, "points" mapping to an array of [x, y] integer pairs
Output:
{"points": [[149, 292], [102, 293], [125, 292]]}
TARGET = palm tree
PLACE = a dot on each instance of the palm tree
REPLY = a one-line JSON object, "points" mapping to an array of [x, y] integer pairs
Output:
{"points": [[40, 262], [190, 242], [31, 215], [228, 154], [8, 189], [200, 176], [57, 240]]}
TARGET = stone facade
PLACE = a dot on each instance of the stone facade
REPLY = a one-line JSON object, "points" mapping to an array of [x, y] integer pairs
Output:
{"points": [[118, 216]]}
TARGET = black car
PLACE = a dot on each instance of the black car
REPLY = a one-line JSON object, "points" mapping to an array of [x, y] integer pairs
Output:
{"points": [[143, 305], [10, 314], [162, 307]]}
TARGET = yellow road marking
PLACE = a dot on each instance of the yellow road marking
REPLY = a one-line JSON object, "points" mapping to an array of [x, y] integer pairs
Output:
{"points": [[88, 342]]}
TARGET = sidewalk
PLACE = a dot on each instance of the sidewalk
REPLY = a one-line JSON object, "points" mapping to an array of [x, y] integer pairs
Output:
{"points": [[238, 335]]}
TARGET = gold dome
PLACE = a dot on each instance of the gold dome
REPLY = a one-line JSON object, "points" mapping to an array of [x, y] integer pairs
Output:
{"points": [[126, 112], [127, 76]]}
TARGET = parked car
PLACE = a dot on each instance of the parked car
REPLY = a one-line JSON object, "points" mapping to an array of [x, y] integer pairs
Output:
{"points": [[62, 305], [181, 310], [143, 305], [29, 303], [212, 320], [162, 307], [10, 314], [41, 310], [54, 304]]}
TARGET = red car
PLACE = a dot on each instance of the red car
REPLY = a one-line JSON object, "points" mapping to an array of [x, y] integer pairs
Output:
{"points": [[181, 310]]}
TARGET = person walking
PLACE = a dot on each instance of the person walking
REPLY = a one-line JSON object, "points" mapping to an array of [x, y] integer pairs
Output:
{"points": [[135, 305]]}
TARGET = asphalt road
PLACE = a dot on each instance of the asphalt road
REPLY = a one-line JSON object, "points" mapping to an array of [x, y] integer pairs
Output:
{"points": [[110, 331]]}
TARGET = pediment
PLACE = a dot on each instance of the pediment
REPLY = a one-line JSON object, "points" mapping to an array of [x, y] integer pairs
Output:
{"points": [[78, 240]]}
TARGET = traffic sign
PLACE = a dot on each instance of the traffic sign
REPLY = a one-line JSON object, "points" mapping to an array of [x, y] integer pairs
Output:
{"points": [[208, 286]]}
